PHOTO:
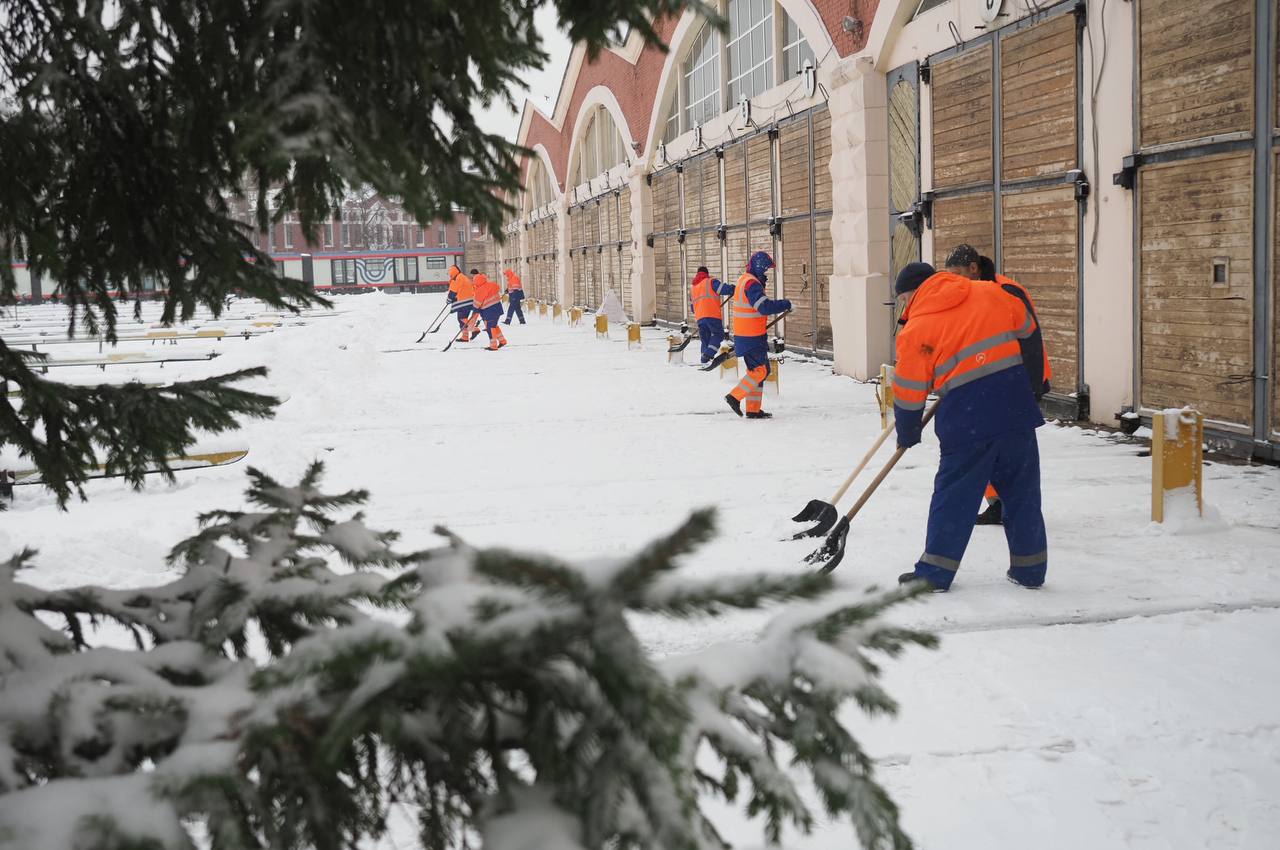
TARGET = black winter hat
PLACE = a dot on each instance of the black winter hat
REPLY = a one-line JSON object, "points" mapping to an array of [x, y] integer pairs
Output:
{"points": [[911, 276]]}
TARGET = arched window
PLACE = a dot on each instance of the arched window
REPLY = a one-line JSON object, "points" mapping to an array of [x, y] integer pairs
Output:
{"points": [[754, 59], [700, 82], [750, 48], [601, 147], [539, 185], [795, 50]]}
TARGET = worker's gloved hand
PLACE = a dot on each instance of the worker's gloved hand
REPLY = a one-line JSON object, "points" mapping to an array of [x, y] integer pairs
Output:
{"points": [[908, 435], [786, 305]]}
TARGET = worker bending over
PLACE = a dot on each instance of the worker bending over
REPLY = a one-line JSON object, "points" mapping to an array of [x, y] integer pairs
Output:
{"points": [[704, 298], [462, 297], [959, 338], [489, 308]]}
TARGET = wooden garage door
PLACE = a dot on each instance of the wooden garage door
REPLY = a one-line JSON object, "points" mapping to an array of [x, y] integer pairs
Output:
{"points": [[1197, 328], [1196, 69], [962, 119], [963, 218], [1038, 241], [904, 167], [668, 284], [1040, 251], [795, 253], [759, 196]]}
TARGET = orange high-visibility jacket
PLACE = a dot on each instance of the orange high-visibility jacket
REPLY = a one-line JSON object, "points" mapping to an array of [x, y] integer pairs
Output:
{"points": [[963, 335], [460, 285], [747, 320], [513, 280], [486, 292], [958, 330]]}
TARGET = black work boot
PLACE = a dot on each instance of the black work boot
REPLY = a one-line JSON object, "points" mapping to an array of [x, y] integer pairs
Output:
{"points": [[759, 414], [993, 515], [734, 404]]}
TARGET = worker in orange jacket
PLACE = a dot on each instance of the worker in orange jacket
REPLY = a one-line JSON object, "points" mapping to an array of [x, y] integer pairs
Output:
{"points": [[462, 297], [474, 321], [489, 307], [960, 339], [965, 260], [704, 298], [751, 307], [515, 295]]}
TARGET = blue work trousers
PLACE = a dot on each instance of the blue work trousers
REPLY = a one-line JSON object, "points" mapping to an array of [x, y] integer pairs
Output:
{"points": [[711, 334], [513, 308], [1011, 462]]}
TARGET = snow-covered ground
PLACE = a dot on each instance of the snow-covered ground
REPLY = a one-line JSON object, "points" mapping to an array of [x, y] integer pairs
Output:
{"points": [[1134, 702]]}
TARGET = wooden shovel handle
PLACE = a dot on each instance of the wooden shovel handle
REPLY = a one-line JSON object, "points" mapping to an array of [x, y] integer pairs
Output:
{"points": [[866, 459], [892, 462]]}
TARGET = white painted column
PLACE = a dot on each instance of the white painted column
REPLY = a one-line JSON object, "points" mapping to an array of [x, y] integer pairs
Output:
{"points": [[642, 285], [1107, 325], [860, 283]]}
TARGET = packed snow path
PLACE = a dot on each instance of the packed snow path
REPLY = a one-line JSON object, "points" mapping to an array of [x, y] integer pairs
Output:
{"points": [[1131, 703]]}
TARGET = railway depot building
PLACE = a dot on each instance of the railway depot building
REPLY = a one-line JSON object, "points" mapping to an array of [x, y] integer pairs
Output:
{"points": [[1119, 159]]}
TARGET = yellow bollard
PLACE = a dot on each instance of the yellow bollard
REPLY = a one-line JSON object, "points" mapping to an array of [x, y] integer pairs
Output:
{"points": [[506, 299], [602, 326], [729, 368], [556, 312], [672, 342], [542, 308], [771, 385], [633, 335], [575, 316], [1177, 457], [884, 395]]}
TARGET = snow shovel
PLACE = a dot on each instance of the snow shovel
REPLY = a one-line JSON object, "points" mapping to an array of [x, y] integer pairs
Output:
{"points": [[831, 552], [725, 355], [825, 512], [434, 326], [456, 337]]}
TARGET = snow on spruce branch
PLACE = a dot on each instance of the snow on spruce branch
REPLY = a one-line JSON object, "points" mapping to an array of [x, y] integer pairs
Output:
{"points": [[301, 678]]}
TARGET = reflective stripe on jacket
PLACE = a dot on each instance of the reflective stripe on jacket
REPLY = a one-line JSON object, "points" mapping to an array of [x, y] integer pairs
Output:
{"points": [[513, 281], [747, 318]]}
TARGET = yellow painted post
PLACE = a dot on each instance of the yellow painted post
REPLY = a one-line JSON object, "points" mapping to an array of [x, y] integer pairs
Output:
{"points": [[556, 312], [542, 308], [729, 368], [771, 385], [602, 326], [1177, 457], [672, 342], [575, 316], [884, 395], [633, 335], [506, 299]]}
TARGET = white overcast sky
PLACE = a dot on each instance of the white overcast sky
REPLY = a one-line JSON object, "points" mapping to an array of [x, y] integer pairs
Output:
{"points": [[543, 85]]}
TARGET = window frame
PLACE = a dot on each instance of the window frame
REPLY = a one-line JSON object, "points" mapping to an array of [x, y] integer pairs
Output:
{"points": [[743, 77]]}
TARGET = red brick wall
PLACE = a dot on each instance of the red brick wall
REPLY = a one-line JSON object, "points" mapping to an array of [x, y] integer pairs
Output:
{"points": [[636, 86]]}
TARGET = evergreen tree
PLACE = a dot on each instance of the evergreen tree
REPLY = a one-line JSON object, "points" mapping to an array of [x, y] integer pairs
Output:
{"points": [[302, 683], [127, 126]]}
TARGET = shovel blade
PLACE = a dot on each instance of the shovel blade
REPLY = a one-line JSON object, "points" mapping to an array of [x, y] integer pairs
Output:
{"points": [[809, 512], [829, 555], [825, 515]]}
